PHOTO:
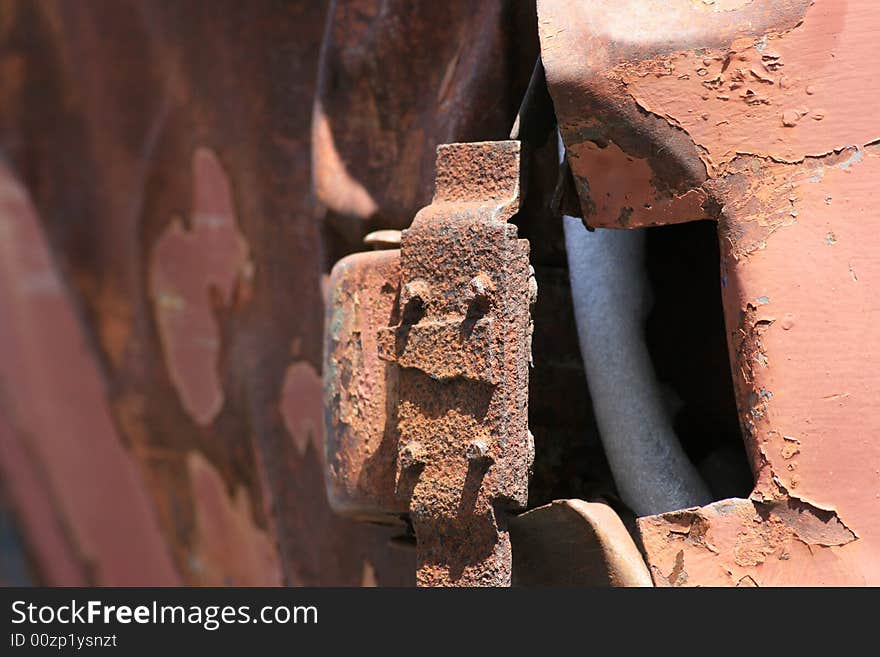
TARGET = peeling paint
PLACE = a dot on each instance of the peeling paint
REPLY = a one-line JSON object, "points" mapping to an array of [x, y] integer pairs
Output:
{"points": [[228, 549], [816, 64], [631, 200], [811, 525], [813, 442], [53, 405], [192, 270], [301, 403], [763, 196], [732, 540], [773, 100]]}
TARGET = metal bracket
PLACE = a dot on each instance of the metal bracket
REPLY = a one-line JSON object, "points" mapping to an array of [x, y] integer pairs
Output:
{"points": [[456, 347]]}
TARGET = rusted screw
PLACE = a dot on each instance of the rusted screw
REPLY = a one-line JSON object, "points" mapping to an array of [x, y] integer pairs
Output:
{"points": [[477, 450], [412, 455]]}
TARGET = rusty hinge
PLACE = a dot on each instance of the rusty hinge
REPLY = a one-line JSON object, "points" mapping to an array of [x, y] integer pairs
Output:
{"points": [[426, 372]]}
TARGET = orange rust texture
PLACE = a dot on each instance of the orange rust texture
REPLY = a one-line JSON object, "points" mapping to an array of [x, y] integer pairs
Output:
{"points": [[360, 390], [173, 191], [775, 101], [799, 262], [802, 314], [465, 450], [745, 543], [621, 191], [635, 166]]}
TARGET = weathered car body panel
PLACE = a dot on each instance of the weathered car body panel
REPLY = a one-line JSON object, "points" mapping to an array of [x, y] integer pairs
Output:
{"points": [[753, 114]]}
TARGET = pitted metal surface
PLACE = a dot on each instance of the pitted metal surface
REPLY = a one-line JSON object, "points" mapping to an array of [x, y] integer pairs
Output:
{"points": [[452, 383], [360, 390], [462, 349]]}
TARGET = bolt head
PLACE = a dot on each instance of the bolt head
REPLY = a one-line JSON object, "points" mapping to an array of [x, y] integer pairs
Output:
{"points": [[477, 450]]}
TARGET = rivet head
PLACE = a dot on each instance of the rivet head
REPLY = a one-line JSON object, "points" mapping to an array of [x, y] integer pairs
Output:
{"points": [[415, 291], [478, 450], [479, 288], [412, 455]]}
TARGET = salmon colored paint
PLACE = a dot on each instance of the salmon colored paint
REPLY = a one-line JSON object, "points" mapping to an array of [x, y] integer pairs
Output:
{"points": [[229, 549], [770, 109], [55, 402], [192, 269]]}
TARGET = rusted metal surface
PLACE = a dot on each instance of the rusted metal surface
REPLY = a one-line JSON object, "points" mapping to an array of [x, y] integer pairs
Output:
{"points": [[360, 390], [753, 114], [361, 396], [462, 351], [397, 79], [575, 543], [438, 427], [737, 542], [187, 267], [167, 193], [52, 401], [166, 151], [632, 164]]}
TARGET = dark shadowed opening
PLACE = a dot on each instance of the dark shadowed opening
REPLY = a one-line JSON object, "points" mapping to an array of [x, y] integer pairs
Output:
{"points": [[686, 338]]}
